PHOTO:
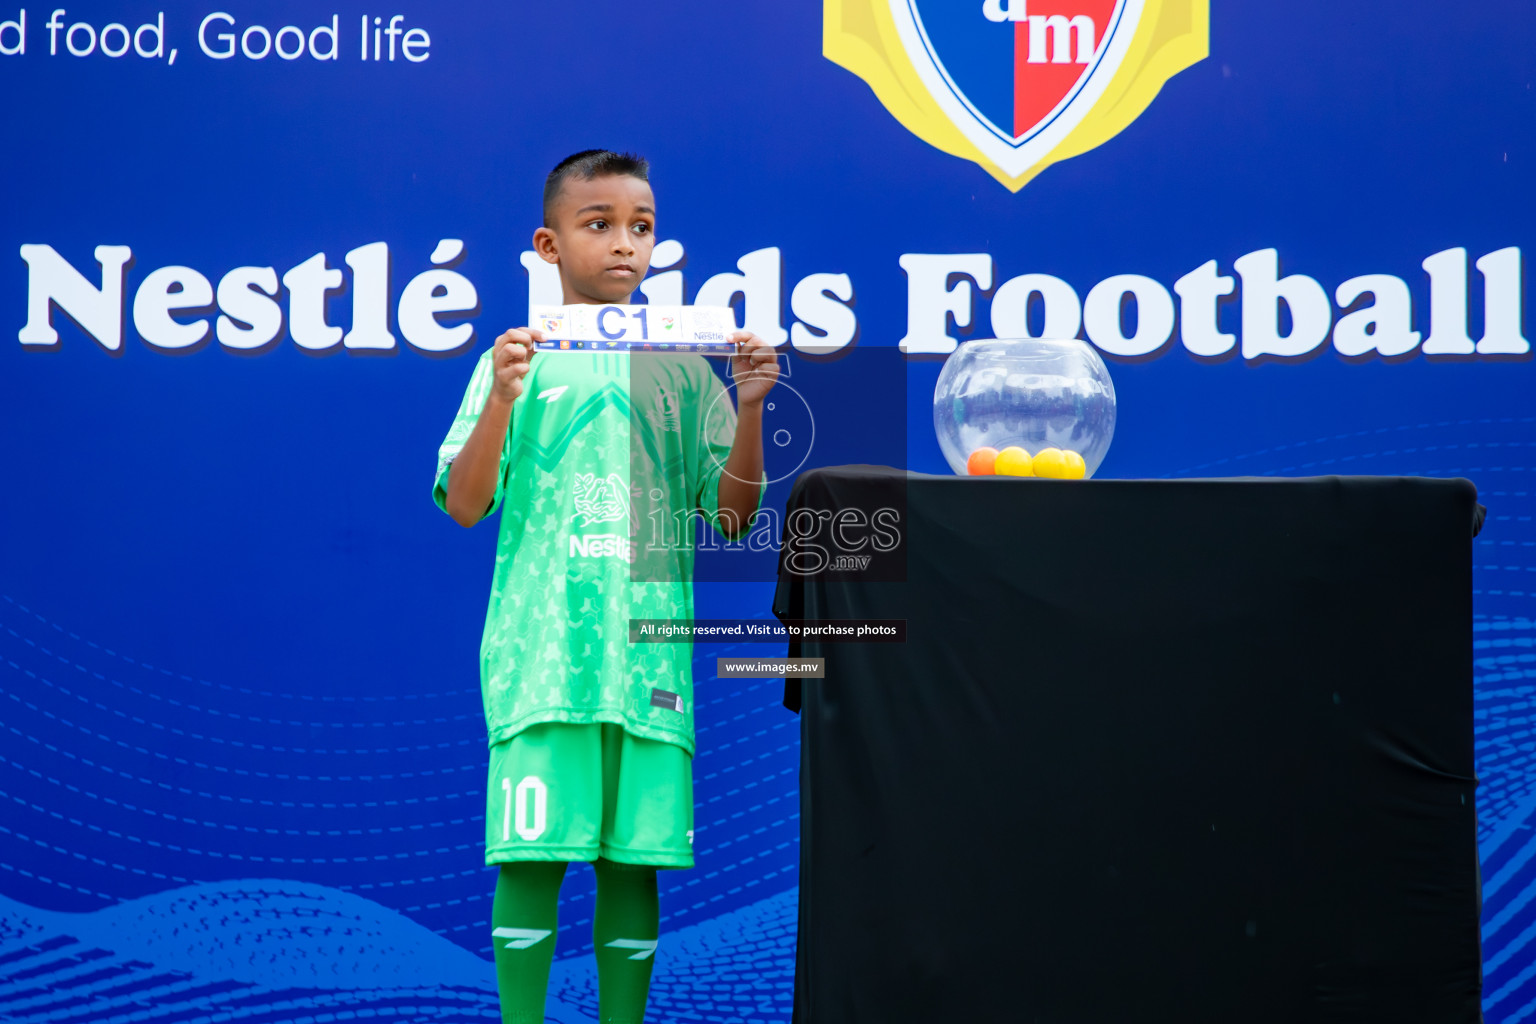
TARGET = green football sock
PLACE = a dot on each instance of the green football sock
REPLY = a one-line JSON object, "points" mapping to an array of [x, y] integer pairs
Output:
{"points": [[624, 931], [523, 922]]}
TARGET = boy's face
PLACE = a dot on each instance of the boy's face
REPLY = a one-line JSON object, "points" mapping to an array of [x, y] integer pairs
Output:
{"points": [[601, 236]]}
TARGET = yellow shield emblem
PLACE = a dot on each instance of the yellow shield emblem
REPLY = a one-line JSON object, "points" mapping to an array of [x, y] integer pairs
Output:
{"points": [[1016, 85]]}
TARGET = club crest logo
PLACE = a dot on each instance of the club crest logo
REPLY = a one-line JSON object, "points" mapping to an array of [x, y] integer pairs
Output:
{"points": [[662, 413], [1016, 85]]}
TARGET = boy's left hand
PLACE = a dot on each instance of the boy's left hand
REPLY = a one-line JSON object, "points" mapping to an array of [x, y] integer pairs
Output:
{"points": [[754, 368]]}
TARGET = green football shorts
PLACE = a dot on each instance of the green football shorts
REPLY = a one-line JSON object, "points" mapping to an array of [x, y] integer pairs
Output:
{"points": [[578, 792]]}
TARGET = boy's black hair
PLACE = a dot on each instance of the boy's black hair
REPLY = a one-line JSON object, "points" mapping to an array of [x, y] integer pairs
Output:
{"points": [[589, 164]]}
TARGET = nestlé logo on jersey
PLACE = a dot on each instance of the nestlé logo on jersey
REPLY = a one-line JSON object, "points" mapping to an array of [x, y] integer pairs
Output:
{"points": [[602, 500], [1016, 85]]}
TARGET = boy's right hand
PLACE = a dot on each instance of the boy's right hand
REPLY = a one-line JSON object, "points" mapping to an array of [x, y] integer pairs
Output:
{"points": [[512, 359]]}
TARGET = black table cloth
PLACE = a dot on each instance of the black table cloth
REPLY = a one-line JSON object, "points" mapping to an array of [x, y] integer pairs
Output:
{"points": [[1152, 751]]}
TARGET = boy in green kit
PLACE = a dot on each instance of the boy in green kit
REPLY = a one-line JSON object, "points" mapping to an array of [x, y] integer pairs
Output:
{"points": [[594, 459]]}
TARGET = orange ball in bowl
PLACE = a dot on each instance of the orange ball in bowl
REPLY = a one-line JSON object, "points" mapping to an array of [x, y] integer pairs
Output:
{"points": [[981, 462]]}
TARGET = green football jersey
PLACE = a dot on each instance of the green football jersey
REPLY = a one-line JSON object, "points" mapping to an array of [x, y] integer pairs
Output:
{"points": [[609, 461]]}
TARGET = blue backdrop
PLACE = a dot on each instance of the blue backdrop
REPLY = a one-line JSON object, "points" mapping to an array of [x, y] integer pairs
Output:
{"points": [[242, 756]]}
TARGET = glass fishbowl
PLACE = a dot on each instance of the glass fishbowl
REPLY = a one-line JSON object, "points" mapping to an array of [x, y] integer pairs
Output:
{"points": [[1004, 394]]}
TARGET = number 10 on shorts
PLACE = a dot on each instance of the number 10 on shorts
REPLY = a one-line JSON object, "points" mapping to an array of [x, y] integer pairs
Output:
{"points": [[526, 808]]}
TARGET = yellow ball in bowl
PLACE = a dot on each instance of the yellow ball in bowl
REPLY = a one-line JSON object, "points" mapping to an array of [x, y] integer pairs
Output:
{"points": [[1013, 461], [1052, 464]]}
